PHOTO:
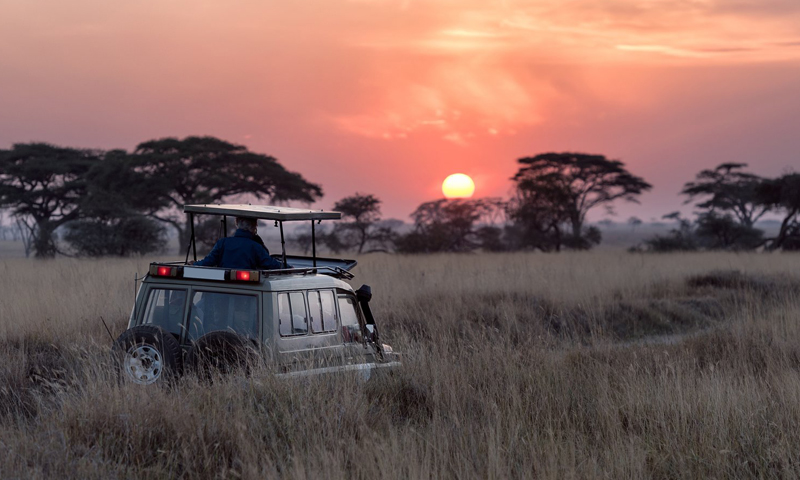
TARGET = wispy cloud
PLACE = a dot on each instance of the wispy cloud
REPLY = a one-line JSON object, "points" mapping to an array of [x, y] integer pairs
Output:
{"points": [[677, 52], [456, 45]]}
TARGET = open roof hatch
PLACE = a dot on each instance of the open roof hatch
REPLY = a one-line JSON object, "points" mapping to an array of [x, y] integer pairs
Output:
{"points": [[279, 215]]}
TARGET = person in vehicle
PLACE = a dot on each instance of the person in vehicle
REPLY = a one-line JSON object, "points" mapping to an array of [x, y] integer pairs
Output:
{"points": [[242, 250]]}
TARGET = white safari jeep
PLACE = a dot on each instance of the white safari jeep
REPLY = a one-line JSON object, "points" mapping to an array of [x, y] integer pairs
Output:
{"points": [[304, 319]]}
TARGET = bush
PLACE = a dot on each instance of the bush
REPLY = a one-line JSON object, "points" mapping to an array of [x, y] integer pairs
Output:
{"points": [[722, 232], [123, 237]]}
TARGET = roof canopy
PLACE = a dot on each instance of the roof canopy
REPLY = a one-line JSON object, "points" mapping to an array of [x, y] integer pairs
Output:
{"points": [[266, 212]]}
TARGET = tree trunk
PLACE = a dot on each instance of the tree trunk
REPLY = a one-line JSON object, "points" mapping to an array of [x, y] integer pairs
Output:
{"points": [[363, 240], [577, 226], [778, 242], [43, 243]]}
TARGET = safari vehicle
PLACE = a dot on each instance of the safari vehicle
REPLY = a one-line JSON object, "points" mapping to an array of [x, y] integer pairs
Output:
{"points": [[303, 318]]}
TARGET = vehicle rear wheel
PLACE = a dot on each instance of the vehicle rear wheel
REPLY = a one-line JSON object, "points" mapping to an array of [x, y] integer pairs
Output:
{"points": [[221, 352], [147, 354]]}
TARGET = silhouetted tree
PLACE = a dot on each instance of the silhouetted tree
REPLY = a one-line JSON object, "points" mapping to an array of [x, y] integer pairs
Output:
{"points": [[556, 189], [25, 235], [43, 186], [782, 194], [728, 189], [198, 170], [634, 222], [446, 226], [360, 215], [113, 212]]}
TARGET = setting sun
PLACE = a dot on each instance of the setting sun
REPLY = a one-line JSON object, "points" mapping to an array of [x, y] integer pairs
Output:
{"points": [[458, 185]]}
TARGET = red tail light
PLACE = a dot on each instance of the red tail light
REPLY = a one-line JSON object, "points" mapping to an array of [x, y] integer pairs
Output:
{"points": [[165, 271], [245, 275]]}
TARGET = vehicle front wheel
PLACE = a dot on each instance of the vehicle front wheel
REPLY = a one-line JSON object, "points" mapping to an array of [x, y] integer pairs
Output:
{"points": [[147, 354]]}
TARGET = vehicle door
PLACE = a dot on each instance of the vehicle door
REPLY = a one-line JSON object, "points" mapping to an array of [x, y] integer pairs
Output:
{"points": [[307, 329]]}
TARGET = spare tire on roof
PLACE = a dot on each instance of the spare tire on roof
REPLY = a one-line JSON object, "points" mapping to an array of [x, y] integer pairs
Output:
{"points": [[147, 354], [222, 352]]}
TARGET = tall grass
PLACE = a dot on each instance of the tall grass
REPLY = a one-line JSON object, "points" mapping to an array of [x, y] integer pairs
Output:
{"points": [[518, 365]]}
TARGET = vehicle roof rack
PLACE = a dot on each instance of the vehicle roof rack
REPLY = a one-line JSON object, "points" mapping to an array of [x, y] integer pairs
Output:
{"points": [[337, 272], [263, 212]]}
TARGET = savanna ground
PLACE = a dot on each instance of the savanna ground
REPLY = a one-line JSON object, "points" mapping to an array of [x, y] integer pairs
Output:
{"points": [[516, 365]]}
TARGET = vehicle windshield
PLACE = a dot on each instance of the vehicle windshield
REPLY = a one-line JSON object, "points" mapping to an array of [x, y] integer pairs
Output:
{"points": [[212, 311]]}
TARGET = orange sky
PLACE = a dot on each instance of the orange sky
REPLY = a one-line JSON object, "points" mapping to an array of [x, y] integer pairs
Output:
{"points": [[389, 97]]}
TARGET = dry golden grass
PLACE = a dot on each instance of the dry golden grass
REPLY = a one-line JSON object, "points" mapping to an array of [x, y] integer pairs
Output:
{"points": [[518, 365]]}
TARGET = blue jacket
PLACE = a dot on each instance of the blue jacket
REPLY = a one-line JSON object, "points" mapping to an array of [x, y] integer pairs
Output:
{"points": [[240, 251]]}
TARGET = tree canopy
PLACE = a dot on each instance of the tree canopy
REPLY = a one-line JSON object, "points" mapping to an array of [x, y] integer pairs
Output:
{"points": [[43, 185], [113, 213], [557, 189], [447, 226], [360, 214], [210, 170], [728, 189], [783, 194]]}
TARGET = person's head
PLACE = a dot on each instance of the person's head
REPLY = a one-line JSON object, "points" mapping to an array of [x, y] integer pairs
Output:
{"points": [[249, 224]]}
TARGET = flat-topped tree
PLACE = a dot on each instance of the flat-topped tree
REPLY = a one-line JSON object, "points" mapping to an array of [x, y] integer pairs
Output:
{"points": [[783, 195], [362, 212], [728, 189], [43, 186], [206, 170], [571, 184]]}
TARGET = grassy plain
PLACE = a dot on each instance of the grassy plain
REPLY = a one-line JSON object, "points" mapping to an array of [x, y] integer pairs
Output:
{"points": [[578, 365]]}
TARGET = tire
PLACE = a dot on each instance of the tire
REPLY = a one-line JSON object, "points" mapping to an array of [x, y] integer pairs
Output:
{"points": [[221, 352], [146, 355]]}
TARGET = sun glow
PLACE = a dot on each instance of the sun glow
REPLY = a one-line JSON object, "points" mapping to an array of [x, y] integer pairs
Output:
{"points": [[458, 185]]}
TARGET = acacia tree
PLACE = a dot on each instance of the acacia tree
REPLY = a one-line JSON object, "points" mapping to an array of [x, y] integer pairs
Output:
{"points": [[114, 211], [210, 170], [728, 189], [783, 193], [538, 216], [447, 226], [553, 189], [360, 215], [43, 185]]}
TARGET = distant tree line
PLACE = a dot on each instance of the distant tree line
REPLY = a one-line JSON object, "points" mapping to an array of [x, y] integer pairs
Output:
{"points": [[117, 202], [114, 202], [729, 202], [553, 193]]}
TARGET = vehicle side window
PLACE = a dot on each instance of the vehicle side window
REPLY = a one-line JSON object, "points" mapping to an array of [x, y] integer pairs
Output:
{"points": [[223, 311], [165, 309], [322, 311], [351, 330], [328, 311], [292, 314]]}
